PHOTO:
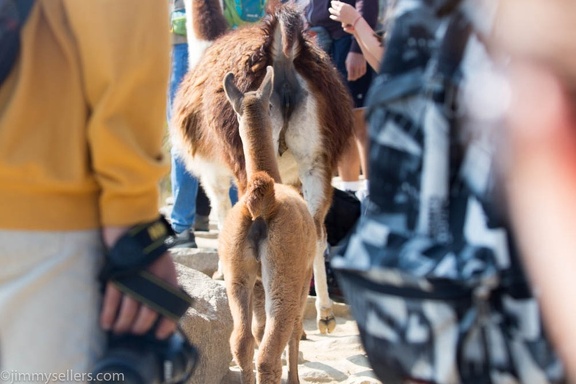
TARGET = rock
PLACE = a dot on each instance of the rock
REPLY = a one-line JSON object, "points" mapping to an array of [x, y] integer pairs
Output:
{"points": [[212, 234], [204, 260], [208, 325]]}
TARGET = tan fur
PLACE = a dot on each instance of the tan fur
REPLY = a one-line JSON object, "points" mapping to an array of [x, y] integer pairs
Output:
{"points": [[267, 246], [312, 119]]}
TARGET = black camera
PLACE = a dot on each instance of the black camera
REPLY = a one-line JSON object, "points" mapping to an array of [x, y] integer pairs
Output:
{"points": [[143, 359], [133, 359]]}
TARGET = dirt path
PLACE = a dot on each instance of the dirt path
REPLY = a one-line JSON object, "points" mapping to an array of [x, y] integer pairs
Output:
{"points": [[335, 358]]}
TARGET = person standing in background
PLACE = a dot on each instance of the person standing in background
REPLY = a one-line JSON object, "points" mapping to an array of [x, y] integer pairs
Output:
{"points": [[353, 23], [191, 207], [347, 56]]}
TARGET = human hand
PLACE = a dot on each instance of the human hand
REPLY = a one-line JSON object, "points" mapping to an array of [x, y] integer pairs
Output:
{"points": [[123, 314], [355, 65], [344, 13]]}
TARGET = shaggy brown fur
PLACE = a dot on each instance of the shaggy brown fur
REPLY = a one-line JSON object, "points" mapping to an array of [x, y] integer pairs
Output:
{"points": [[312, 119], [246, 52], [267, 245], [208, 10]]}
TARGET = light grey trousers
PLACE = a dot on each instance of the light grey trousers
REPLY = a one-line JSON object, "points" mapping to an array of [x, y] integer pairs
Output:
{"points": [[49, 303]]}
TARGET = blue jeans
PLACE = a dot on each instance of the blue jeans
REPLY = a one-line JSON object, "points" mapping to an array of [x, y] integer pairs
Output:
{"points": [[184, 185]]}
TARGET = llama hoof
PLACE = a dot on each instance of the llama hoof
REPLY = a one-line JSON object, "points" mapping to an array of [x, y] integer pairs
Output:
{"points": [[303, 336], [218, 275], [326, 324]]}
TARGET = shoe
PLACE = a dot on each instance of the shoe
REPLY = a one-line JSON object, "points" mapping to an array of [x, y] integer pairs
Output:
{"points": [[202, 223], [184, 239]]}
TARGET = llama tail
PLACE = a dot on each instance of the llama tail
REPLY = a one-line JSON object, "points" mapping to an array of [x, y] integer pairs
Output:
{"points": [[260, 197], [288, 42], [205, 22]]}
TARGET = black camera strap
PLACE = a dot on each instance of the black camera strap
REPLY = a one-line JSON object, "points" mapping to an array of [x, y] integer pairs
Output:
{"points": [[126, 264], [138, 248], [167, 300]]}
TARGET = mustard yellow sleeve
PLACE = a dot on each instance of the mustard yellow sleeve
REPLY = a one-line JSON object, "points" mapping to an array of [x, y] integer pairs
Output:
{"points": [[124, 50]]}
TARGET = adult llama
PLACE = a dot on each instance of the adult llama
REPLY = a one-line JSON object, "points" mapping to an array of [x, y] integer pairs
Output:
{"points": [[310, 110]]}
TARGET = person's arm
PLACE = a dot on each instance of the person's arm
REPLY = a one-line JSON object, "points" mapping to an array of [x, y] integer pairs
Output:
{"points": [[125, 64], [371, 46], [541, 185], [354, 23], [540, 157]]}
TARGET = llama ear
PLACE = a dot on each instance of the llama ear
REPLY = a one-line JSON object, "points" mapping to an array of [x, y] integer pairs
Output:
{"points": [[267, 85], [233, 93]]}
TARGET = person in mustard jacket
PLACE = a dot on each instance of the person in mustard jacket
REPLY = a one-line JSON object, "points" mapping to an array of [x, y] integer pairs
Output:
{"points": [[82, 119]]}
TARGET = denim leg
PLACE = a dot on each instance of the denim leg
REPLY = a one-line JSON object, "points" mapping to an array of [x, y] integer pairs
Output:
{"points": [[340, 49], [233, 193], [184, 185], [179, 69], [184, 190]]}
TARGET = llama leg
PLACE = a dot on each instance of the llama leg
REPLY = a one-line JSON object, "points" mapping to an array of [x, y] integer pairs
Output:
{"points": [[294, 343], [269, 360], [316, 189], [241, 268], [217, 184], [277, 333], [293, 351], [325, 319], [241, 340], [259, 319]]}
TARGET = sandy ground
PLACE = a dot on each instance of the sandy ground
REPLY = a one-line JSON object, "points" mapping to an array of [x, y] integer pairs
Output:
{"points": [[334, 358]]}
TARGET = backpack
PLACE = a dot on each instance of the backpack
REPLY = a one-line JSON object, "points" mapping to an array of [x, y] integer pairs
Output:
{"points": [[178, 17], [344, 212], [13, 14], [240, 12], [437, 302], [342, 215]]}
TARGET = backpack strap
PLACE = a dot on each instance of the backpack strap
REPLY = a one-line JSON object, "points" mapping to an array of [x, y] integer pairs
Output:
{"points": [[13, 15]]}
